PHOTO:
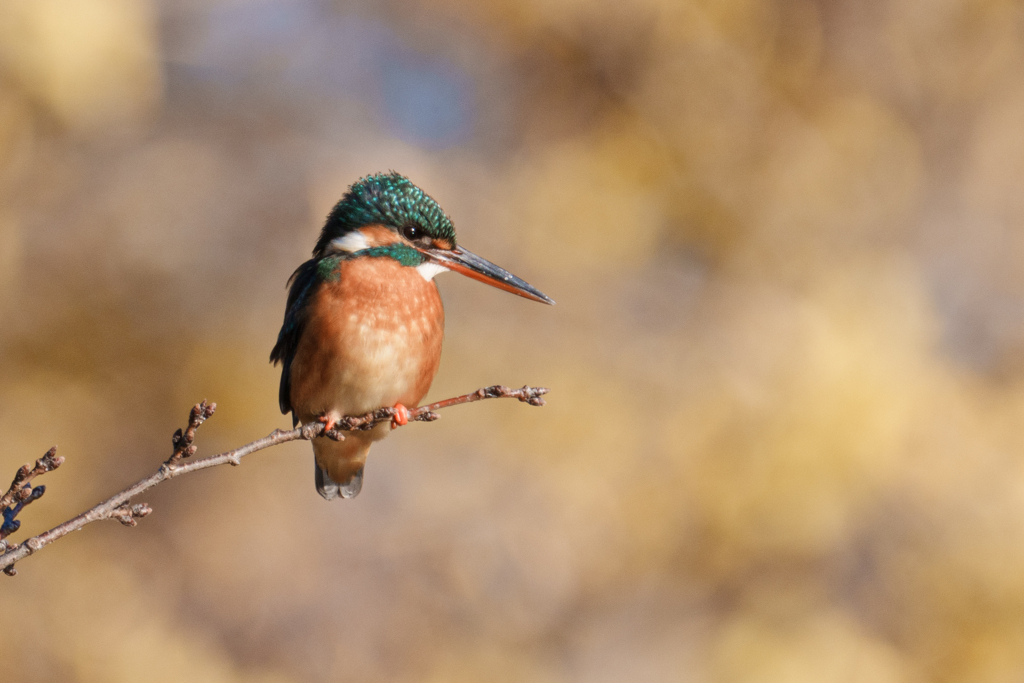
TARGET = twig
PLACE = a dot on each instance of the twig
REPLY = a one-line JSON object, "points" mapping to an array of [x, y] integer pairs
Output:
{"points": [[119, 506], [21, 494], [183, 447]]}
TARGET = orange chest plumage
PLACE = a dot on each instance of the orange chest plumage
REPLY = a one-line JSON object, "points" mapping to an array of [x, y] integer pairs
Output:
{"points": [[372, 338]]}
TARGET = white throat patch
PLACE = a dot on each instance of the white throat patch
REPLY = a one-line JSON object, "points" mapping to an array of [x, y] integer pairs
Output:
{"points": [[349, 243], [428, 270]]}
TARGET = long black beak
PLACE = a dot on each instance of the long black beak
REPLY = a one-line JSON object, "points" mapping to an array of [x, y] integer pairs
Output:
{"points": [[469, 264]]}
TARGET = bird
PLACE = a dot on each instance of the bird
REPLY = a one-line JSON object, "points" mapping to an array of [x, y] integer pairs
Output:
{"points": [[364, 321]]}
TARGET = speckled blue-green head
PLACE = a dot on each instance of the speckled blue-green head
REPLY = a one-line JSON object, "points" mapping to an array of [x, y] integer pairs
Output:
{"points": [[388, 199], [421, 235]]}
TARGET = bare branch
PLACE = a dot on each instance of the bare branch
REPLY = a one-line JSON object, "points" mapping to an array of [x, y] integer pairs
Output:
{"points": [[182, 442], [25, 475], [119, 506], [21, 494]]}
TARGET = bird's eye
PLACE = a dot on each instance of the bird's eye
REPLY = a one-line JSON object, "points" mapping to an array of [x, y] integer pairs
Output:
{"points": [[412, 233]]}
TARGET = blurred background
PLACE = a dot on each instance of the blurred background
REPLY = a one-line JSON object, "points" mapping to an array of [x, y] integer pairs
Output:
{"points": [[784, 440]]}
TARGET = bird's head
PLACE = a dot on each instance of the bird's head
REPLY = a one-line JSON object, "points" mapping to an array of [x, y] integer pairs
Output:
{"points": [[387, 215]]}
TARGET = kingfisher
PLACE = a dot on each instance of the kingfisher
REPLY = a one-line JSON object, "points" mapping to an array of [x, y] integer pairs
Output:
{"points": [[364, 320]]}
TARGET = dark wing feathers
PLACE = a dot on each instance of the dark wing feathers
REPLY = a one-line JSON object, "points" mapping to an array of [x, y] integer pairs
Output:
{"points": [[303, 284]]}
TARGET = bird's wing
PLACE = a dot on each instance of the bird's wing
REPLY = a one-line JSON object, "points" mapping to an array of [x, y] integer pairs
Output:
{"points": [[303, 283]]}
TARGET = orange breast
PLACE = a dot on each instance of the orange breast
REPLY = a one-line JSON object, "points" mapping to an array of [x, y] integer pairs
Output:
{"points": [[373, 338]]}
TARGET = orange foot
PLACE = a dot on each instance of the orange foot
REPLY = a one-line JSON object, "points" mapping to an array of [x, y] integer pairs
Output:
{"points": [[329, 423], [401, 416]]}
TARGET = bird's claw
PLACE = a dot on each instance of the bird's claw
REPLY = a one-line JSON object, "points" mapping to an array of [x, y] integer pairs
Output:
{"points": [[329, 424], [400, 418]]}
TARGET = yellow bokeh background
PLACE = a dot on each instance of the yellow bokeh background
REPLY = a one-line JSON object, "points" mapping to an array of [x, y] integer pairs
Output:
{"points": [[785, 439]]}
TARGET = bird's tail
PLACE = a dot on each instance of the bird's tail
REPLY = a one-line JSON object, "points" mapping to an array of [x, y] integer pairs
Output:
{"points": [[330, 489], [339, 466]]}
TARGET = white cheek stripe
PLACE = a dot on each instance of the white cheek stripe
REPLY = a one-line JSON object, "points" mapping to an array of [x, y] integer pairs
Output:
{"points": [[428, 270], [349, 243]]}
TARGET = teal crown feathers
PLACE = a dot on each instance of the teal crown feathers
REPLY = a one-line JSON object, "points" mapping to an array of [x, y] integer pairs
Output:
{"points": [[388, 199]]}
